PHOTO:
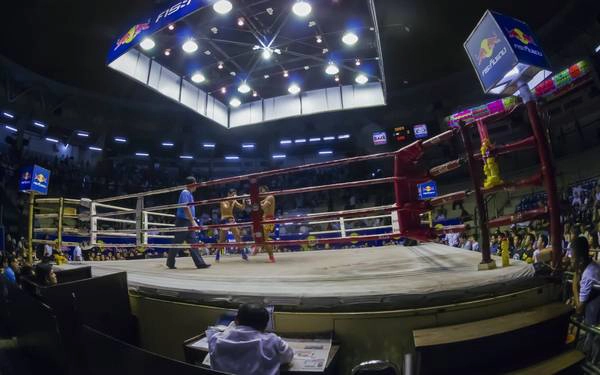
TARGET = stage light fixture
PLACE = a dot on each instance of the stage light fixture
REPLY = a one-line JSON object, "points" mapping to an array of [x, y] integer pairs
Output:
{"points": [[248, 146], [244, 88], [286, 74], [168, 144], [190, 46], [208, 145], [39, 124], [597, 50], [220, 65], [240, 21], [8, 127], [325, 152], [329, 138], [187, 157], [267, 53], [314, 140], [94, 148], [222, 6], [350, 38], [337, 78], [254, 94], [144, 154], [302, 8], [147, 44], [83, 134], [198, 77], [279, 156], [361, 79], [53, 140], [332, 69], [267, 76], [235, 102], [120, 140], [171, 27], [223, 90], [319, 39], [285, 142], [8, 115], [168, 52], [344, 136], [232, 157], [294, 89], [357, 62]]}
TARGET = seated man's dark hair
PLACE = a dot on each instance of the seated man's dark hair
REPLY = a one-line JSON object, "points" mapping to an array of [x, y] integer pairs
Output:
{"points": [[190, 180], [253, 315]]}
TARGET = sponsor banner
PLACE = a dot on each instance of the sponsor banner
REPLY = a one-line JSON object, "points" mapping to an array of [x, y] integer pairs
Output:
{"points": [[420, 131], [427, 190], [163, 16], [34, 179], [379, 138], [524, 43]]}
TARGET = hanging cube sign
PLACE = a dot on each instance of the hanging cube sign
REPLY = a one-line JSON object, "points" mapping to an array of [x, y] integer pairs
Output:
{"points": [[34, 179], [505, 53], [427, 190]]}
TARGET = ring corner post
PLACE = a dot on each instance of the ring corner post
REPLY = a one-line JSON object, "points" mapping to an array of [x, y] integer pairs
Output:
{"points": [[61, 211], [30, 227], [256, 215]]}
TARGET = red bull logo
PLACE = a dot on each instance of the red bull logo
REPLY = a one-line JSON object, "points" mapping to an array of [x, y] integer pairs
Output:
{"points": [[40, 178], [486, 49], [132, 34], [26, 176], [428, 188], [519, 35]]}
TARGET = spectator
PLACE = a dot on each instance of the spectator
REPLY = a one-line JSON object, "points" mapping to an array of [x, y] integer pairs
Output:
{"points": [[77, 254], [44, 275], [244, 348], [11, 269]]}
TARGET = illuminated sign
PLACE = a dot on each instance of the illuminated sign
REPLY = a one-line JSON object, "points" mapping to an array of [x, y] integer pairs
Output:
{"points": [[379, 138], [420, 131], [483, 111], [427, 190], [34, 179], [401, 133]]}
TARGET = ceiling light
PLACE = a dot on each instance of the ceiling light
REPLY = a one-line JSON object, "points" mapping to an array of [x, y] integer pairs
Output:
{"points": [[328, 138], [357, 62], [248, 145], [141, 154], [302, 140], [207, 52], [597, 49], [244, 88], [220, 66], [53, 140], [279, 156], [325, 152], [8, 115], [267, 76], [325, 50], [222, 6], [147, 44], [190, 46], [188, 157], [319, 39], [94, 148], [285, 142], [254, 94], [286, 74], [83, 134], [168, 144], [344, 136], [270, 11], [306, 67], [39, 124], [294, 89], [120, 140], [171, 27], [302, 8], [314, 139], [168, 52], [235, 102], [332, 69], [350, 38], [214, 30], [208, 145], [223, 90], [240, 21], [361, 79], [337, 78], [8, 127], [267, 53], [232, 157], [198, 77]]}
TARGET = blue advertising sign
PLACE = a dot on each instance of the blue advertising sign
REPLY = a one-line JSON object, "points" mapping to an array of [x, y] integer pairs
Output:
{"points": [[161, 19], [34, 179], [504, 50], [420, 131], [427, 190], [379, 138]]}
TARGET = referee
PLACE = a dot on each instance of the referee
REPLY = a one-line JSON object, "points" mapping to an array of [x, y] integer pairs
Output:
{"points": [[186, 217]]}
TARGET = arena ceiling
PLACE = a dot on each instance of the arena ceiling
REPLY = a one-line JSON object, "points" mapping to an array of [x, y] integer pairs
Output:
{"points": [[68, 40]]}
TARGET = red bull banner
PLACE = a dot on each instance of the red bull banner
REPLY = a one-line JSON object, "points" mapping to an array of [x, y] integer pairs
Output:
{"points": [[504, 51], [163, 16], [34, 179]]}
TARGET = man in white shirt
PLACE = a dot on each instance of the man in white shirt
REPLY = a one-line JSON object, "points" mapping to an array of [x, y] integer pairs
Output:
{"points": [[244, 348], [77, 254], [48, 251]]}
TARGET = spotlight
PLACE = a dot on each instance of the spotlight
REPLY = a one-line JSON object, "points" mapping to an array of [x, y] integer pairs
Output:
{"points": [[306, 67], [332, 69], [350, 38], [235, 102], [223, 90], [361, 79], [39, 124], [319, 39], [302, 8], [267, 76], [285, 73], [294, 89], [357, 62], [597, 50], [83, 134], [267, 53], [10, 128], [220, 66], [186, 157], [147, 44], [244, 88], [222, 6], [190, 46], [53, 140], [337, 78], [120, 140], [168, 144], [168, 52], [171, 27], [144, 154], [254, 94], [198, 77], [94, 148], [240, 21], [8, 115]]}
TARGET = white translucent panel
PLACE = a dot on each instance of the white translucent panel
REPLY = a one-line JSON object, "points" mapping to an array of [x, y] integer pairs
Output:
{"points": [[154, 77], [282, 106], [127, 63], [322, 100], [169, 83], [220, 113], [189, 96], [334, 99], [368, 95], [142, 67]]}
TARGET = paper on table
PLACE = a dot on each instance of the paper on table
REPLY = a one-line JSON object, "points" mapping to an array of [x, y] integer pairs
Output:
{"points": [[309, 355], [201, 344]]}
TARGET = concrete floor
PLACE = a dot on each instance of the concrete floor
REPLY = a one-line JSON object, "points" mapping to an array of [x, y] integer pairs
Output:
{"points": [[417, 276]]}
